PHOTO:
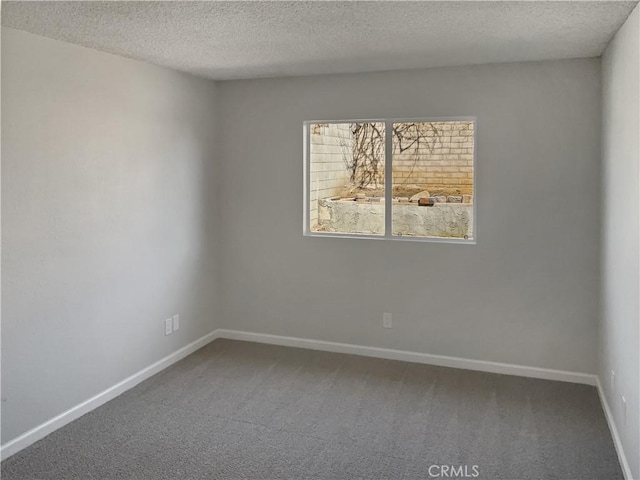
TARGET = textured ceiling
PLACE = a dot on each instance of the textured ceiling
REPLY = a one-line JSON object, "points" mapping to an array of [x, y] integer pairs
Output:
{"points": [[231, 40]]}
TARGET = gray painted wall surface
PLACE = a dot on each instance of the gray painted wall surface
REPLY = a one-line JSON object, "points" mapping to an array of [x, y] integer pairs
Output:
{"points": [[620, 325], [115, 217], [527, 293], [108, 218]]}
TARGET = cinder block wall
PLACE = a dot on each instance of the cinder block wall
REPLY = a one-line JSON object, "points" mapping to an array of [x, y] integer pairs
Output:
{"points": [[445, 161], [330, 145]]}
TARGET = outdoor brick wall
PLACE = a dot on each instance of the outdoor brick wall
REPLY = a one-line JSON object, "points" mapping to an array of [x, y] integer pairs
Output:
{"points": [[330, 143], [446, 162]]}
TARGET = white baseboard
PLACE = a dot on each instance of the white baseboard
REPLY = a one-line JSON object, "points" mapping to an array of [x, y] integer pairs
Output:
{"points": [[39, 432], [626, 470], [416, 357], [44, 429]]}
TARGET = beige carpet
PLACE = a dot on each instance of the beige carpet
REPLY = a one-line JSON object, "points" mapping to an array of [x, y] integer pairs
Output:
{"points": [[237, 410]]}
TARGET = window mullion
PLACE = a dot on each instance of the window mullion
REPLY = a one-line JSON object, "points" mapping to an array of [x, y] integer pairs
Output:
{"points": [[388, 177], [307, 178]]}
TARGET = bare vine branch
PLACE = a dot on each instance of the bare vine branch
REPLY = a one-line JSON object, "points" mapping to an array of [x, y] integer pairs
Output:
{"points": [[366, 161]]}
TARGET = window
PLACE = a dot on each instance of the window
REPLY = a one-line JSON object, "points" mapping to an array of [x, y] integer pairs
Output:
{"points": [[395, 179]]}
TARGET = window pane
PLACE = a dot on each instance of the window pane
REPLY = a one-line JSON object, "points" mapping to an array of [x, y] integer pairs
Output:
{"points": [[433, 179], [347, 178]]}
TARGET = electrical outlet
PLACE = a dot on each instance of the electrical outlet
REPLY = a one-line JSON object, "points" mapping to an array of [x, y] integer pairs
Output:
{"points": [[387, 320], [624, 409], [176, 322], [167, 326], [613, 381]]}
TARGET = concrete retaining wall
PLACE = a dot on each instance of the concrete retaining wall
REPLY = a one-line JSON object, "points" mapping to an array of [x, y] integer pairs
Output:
{"points": [[451, 220]]}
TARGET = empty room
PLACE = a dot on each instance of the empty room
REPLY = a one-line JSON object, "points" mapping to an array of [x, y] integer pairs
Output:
{"points": [[320, 240]]}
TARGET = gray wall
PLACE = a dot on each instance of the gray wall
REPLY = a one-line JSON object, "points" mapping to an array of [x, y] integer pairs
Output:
{"points": [[107, 216], [620, 335], [527, 293], [114, 218]]}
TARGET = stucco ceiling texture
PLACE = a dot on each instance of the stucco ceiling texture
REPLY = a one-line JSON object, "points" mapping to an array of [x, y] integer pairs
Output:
{"points": [[236, 40]]}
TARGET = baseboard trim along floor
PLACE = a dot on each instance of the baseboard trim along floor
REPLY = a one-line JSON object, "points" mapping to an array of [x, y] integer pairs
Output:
{"points": [[624, 464], [23, 441], [35, 434], [407, 356]]}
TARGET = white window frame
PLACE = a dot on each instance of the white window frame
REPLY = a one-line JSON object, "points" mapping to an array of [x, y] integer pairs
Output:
{"points": [[388, 174]]}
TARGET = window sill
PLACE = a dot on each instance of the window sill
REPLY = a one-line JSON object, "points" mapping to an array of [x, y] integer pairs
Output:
{"points": [[407, 238]]}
